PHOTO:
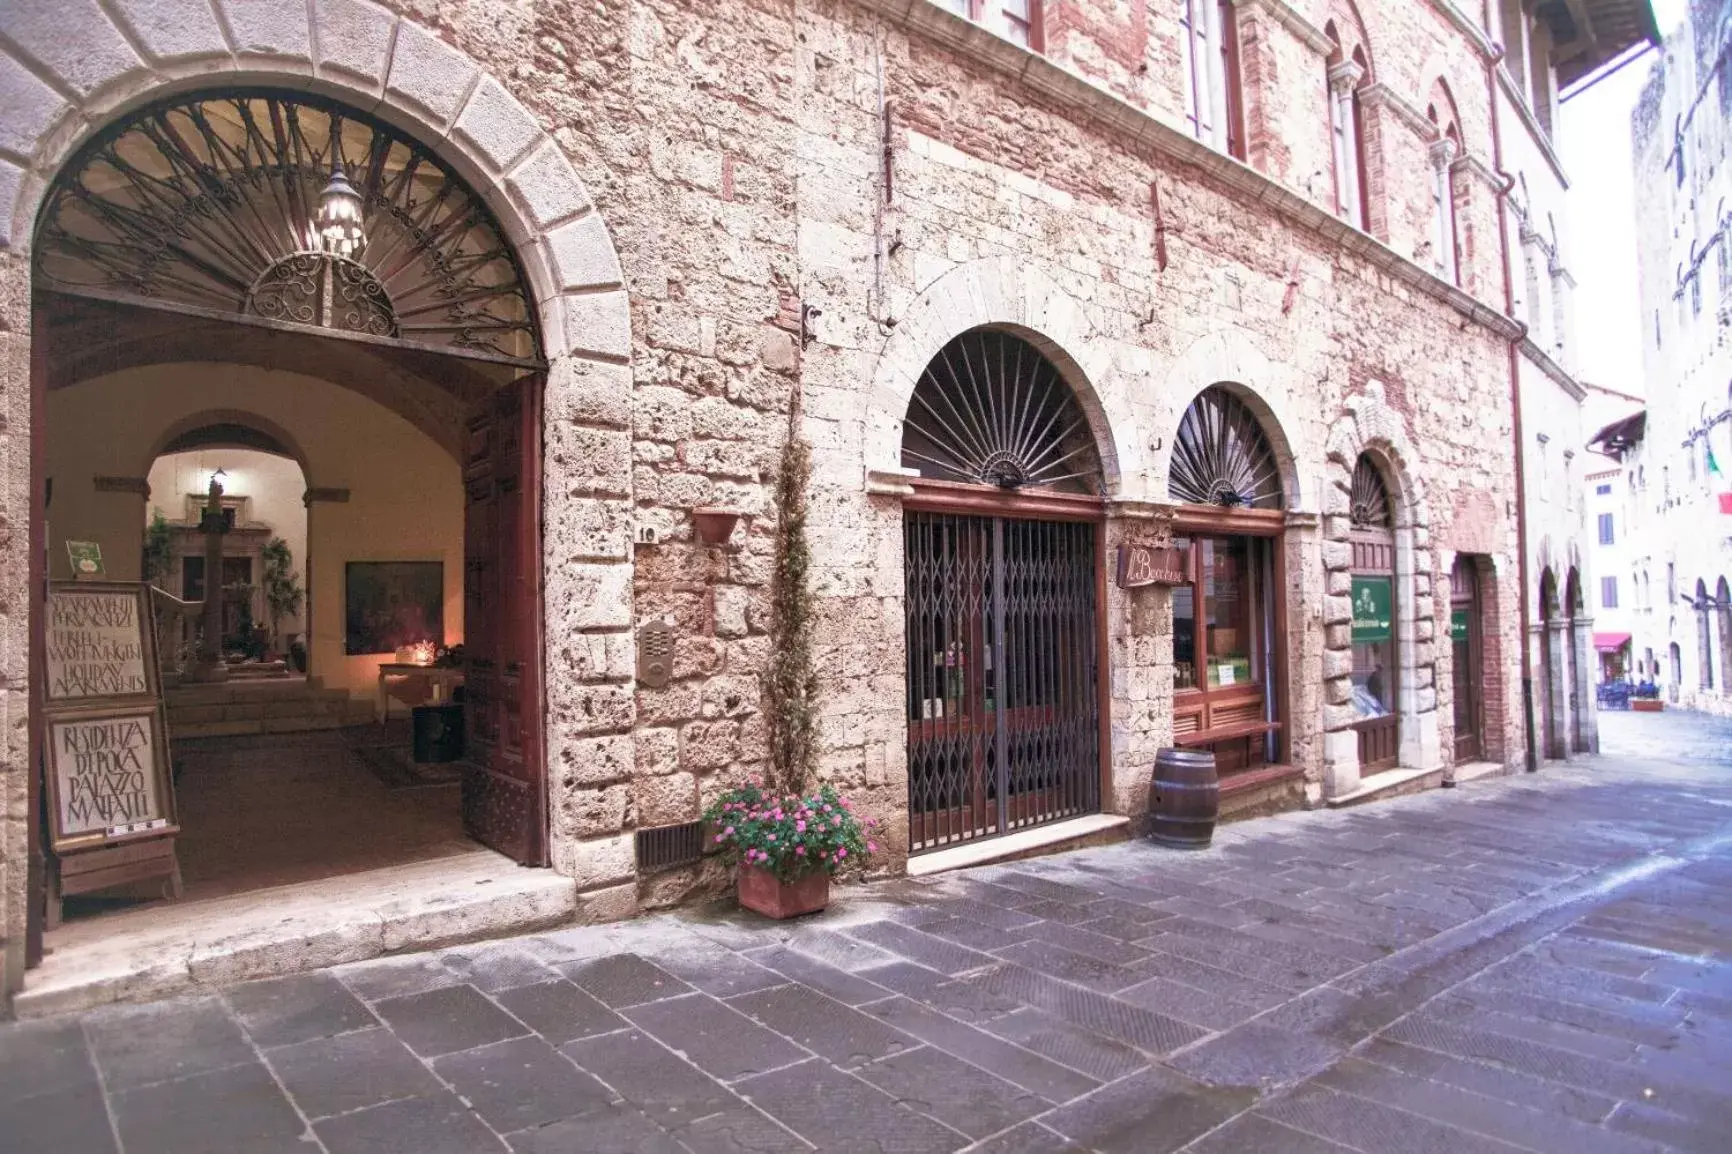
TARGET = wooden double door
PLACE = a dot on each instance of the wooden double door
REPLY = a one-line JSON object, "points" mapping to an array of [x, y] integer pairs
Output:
{"points": [[1003, 667], [504, 772], [1465, 649]]}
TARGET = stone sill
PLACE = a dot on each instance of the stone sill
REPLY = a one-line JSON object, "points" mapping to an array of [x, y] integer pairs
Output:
{"points": [[1011, 845], [1138, 126], [1474, 770], [1388, 783]]}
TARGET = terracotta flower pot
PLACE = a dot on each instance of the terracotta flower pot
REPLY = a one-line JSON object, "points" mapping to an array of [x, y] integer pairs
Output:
{"points": [[762, 892], [1647, 704]]}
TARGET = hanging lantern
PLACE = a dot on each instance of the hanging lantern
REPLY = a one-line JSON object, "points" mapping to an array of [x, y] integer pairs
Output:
{"points": [[339, 222]]}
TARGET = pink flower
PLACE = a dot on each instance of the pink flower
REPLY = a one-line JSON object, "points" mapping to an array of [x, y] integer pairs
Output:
{"points": [[721, 837], [841, 853], [800, 827], [799, 851], [729, 831], [772, 837], [871, 847]]}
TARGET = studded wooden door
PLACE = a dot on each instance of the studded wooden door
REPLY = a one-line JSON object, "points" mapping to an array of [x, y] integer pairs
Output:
{"points": [[504, 775]]}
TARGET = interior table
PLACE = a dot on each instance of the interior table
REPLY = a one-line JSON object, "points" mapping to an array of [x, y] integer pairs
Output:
{"points": [[415, 685]]}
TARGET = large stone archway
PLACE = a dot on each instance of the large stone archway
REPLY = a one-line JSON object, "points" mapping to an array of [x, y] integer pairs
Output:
{"points": [[67, 74]]}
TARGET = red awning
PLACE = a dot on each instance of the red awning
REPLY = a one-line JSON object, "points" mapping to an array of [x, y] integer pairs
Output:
{"points": [[1610, 642]]}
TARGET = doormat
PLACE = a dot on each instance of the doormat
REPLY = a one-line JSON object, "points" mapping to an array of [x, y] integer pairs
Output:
{"points": [[396, 768]]}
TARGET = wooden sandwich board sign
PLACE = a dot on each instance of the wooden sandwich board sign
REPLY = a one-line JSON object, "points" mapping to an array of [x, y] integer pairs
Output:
{"points": [[110, 791]]}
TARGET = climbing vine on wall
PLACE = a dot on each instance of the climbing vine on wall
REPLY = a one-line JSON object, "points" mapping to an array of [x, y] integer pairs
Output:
{"points": [[791, 683]]}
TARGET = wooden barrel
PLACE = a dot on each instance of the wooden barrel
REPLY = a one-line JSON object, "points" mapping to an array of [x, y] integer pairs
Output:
{"points": [[1184, 799]]}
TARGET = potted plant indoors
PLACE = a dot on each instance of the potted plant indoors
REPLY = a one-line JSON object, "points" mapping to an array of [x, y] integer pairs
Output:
{"points": [[786, 849]]}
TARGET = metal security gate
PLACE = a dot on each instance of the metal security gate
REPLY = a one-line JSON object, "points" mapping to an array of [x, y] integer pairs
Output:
{"points": [[1003, 675]]}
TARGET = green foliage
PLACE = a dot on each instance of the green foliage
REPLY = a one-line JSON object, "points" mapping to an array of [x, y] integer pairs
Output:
{"points": [[158, 557], [791, 836], [791, 683], [283, 593]]}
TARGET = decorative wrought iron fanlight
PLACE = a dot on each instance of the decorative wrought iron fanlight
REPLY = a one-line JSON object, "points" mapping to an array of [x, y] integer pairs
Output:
{"points": [[991, 409], [1222, 457], [288, 208], [1370, 500]]}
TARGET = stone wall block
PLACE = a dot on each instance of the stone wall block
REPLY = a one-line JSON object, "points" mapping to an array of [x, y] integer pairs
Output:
{"points": [[270, 28], [1338, 581], [612, 904], [589, 393], [173, 29], [579, 529], [597, 324], [494, 124], [666, 800], [73, 39], [591, 595], [583, 762], [731, 605], [709, 745], [589, 709], [1337, 663], [600, 862], [657, 751], [1337, 555], [30, 107], [429, 74], [547, 188], [1337, 635], [583, 254], [1337, 609], [582, 461], [354, 38], [11, 181], [591, 813]]}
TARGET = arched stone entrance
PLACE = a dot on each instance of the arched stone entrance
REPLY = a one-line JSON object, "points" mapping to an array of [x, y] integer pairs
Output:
{"points": [[1006, 689], [66, 93]]}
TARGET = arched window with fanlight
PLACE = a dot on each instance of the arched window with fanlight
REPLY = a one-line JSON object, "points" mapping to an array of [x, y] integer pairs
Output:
{"points": [[1376, 664], [1001, 541], [1227, 672]]}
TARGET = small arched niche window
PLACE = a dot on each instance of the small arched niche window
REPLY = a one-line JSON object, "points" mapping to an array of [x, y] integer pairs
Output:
{"points": [[1222, 456], [991, 409], [1348, 73]]}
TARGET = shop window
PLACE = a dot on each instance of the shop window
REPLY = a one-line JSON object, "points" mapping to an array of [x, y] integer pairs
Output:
{"points": [[1209, 62], [1225, 476]]}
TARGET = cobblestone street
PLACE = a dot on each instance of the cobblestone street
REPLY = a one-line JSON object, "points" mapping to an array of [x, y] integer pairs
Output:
{"points": [[1535, 963]]}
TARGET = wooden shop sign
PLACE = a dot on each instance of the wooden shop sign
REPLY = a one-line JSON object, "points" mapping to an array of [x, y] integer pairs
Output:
{"points": [[1150, 565]]}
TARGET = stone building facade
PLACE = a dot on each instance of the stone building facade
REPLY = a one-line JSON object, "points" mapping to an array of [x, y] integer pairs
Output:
{"points": [[1676, 458], [1286, 215]]}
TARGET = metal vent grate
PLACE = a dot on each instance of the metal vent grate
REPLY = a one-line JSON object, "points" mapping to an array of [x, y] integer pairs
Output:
{"points": [[669, 846]]}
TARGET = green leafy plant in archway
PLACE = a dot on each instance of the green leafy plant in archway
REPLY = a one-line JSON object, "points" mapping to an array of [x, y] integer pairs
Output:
{"points": [[158, 551], [283, 592]]}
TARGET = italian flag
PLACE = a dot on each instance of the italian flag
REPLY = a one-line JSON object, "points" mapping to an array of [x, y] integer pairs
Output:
{"points": [[1714, 471]]}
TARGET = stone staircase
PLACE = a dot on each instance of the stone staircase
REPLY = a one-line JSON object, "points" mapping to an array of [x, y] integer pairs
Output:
{"points": [[260, 705]]}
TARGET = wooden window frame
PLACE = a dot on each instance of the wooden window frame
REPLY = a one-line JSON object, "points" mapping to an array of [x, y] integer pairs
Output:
{"points": [[1231, 80], [981, 12], [1269, 611]]}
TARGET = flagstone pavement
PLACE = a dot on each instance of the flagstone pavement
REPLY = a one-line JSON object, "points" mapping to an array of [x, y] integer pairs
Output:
{"points": [[1526, 963]]}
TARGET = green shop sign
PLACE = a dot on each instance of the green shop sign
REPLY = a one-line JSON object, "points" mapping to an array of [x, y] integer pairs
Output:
{"points": [[1458, 625], [1371, 612]]}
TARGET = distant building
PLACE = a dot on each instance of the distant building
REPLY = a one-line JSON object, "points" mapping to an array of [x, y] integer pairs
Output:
{"points": [[1677, 460]]}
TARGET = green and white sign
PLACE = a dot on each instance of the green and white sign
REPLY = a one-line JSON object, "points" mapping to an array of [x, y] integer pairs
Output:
{"points": [[1458, 625], [1371, 609]]}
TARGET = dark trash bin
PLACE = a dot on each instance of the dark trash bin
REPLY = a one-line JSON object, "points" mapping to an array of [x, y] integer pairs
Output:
{"points": [[438, 731], [1184, 799]]}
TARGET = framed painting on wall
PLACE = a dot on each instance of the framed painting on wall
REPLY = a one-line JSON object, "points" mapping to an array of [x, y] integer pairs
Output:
{"points": [[391, 604]]}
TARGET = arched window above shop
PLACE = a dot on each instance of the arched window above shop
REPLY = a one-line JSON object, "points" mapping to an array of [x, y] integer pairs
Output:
{"points": [[1370, 507], [1222, 456], [991, 409], [291, 210]]}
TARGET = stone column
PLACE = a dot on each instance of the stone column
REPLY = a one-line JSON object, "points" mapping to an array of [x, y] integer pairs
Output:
{"points": [[210, 666], [1557, 737], [1343, 79]]}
